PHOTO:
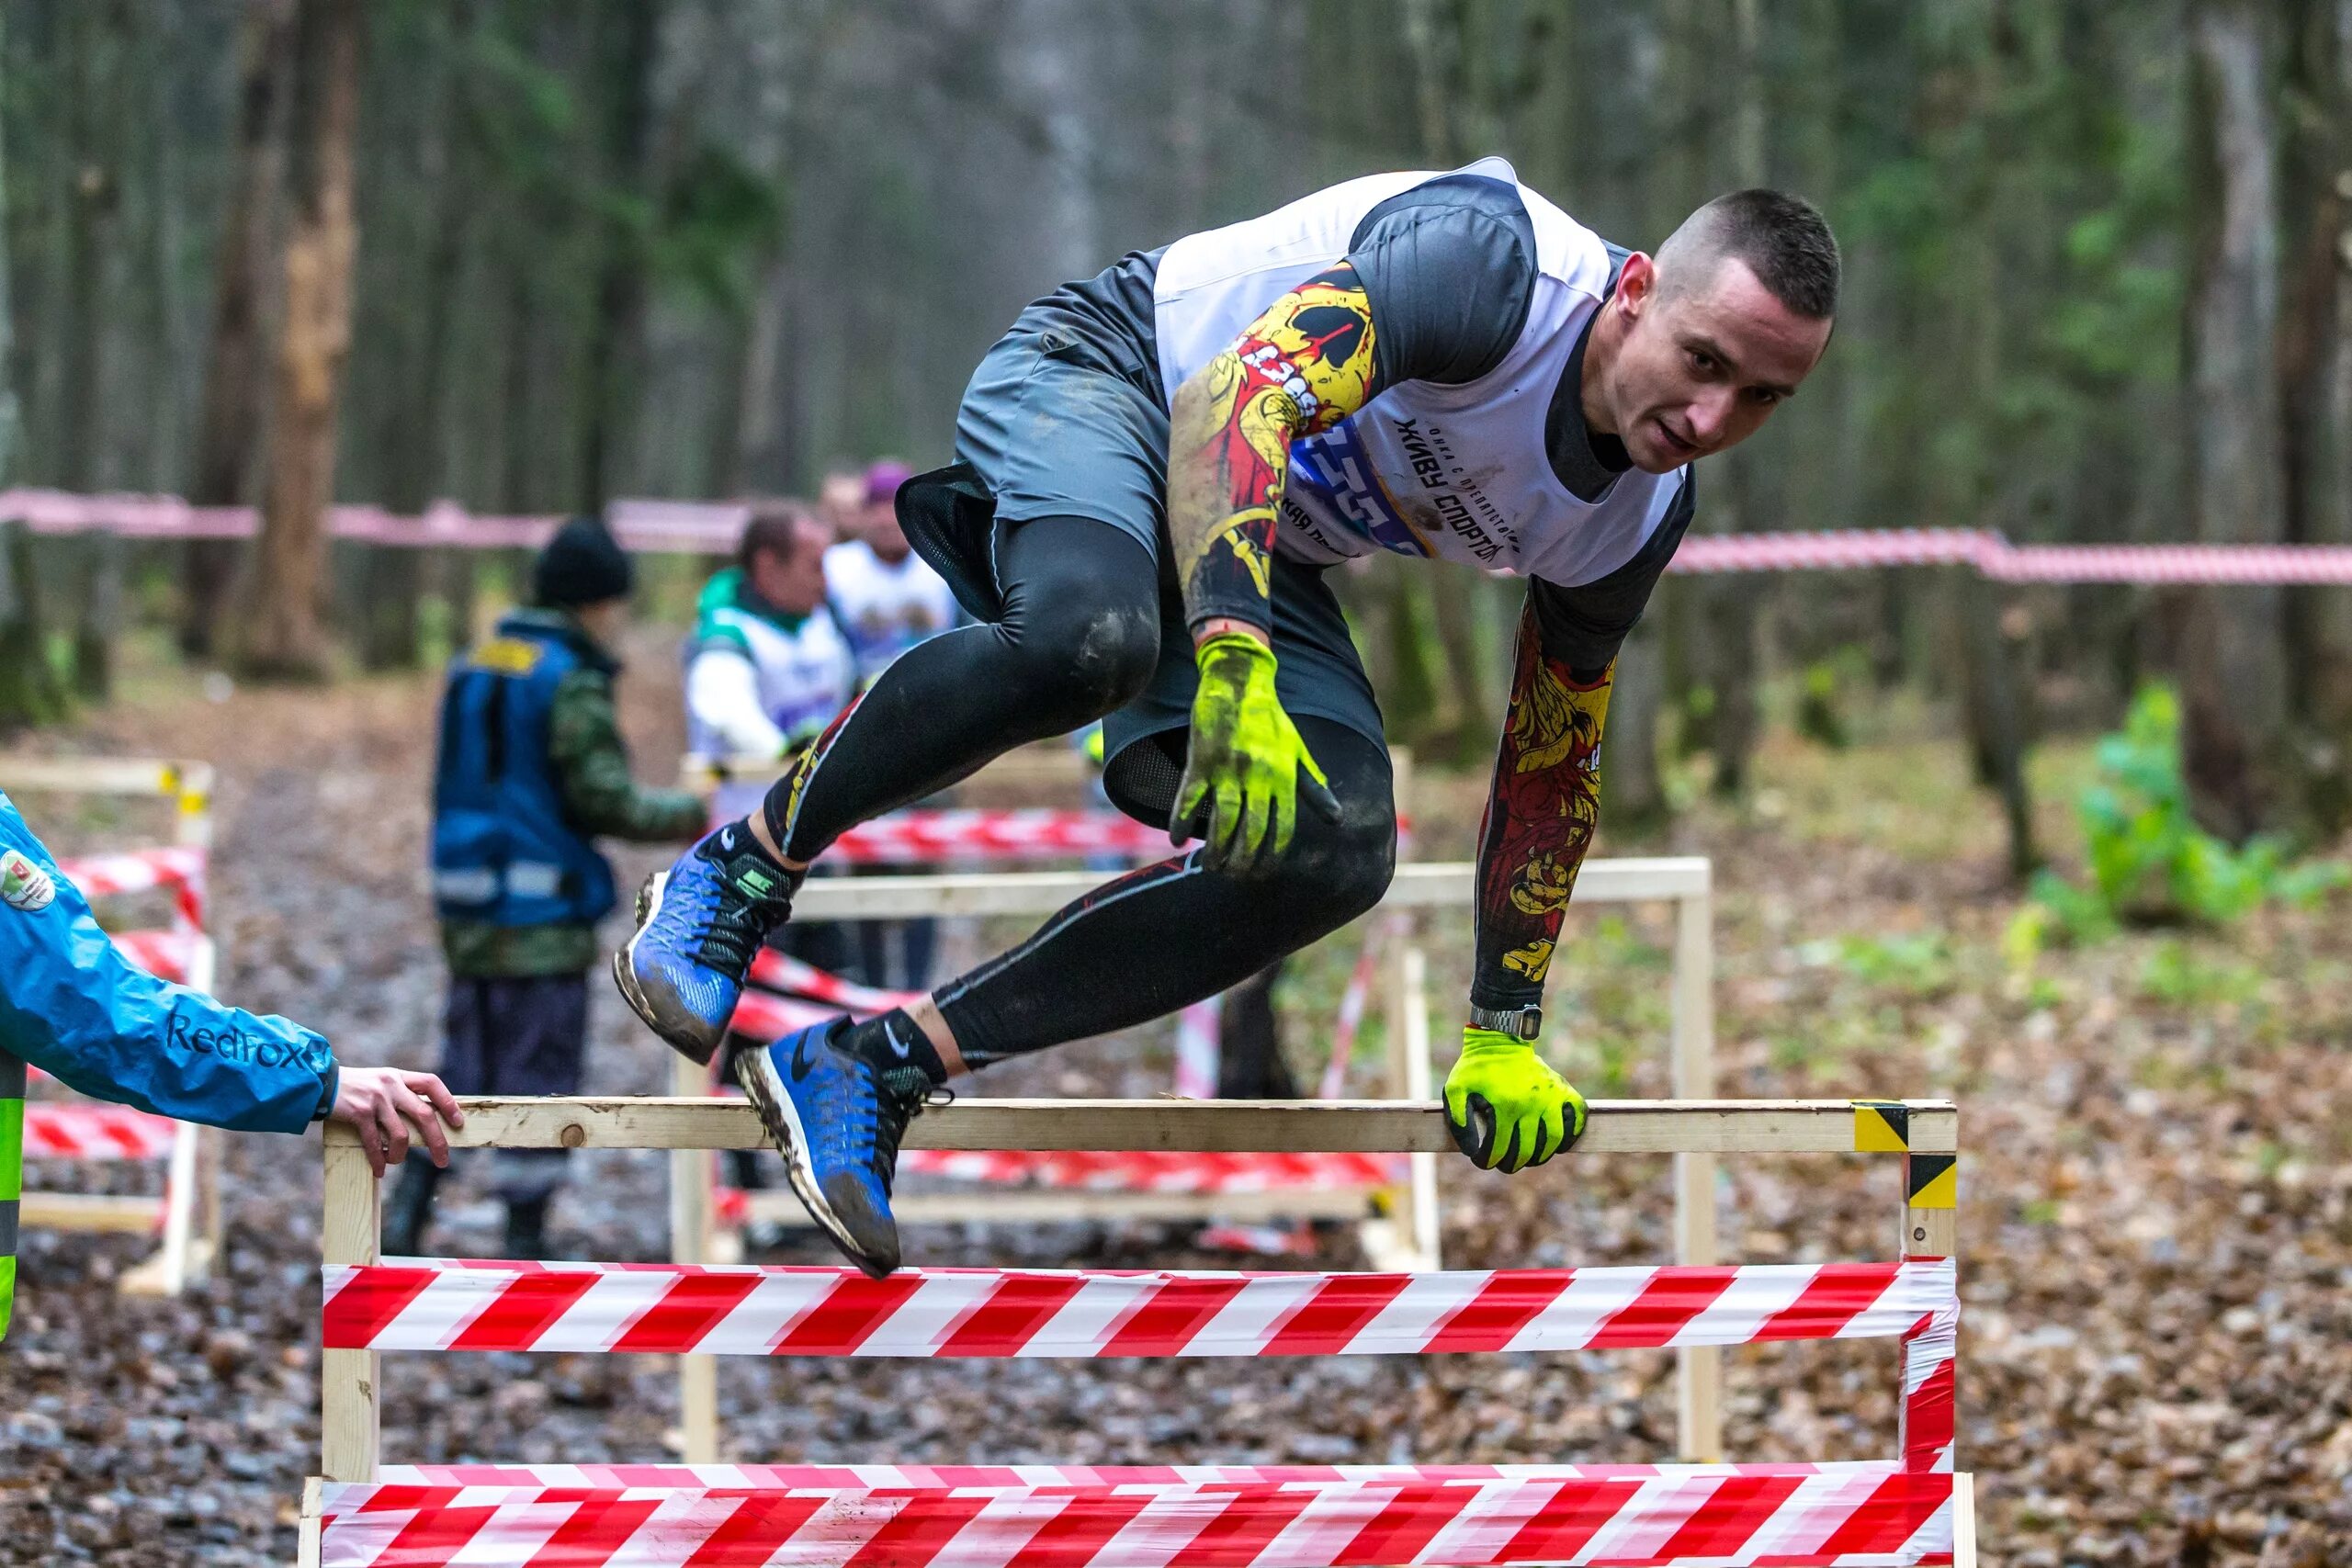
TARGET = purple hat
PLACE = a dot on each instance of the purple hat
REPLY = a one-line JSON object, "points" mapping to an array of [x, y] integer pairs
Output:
{"points": [[883, 479]]}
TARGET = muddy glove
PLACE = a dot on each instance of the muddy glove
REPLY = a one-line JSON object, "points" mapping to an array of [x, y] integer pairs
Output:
{"points": [[1244, 760], [1506, 1109]]}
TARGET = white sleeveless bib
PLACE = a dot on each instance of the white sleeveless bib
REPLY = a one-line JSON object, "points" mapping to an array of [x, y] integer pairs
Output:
{"points": [[1457, 472]]}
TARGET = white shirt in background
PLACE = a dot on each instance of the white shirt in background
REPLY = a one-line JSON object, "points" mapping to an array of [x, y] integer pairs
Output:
{"points": [[884, 609]]}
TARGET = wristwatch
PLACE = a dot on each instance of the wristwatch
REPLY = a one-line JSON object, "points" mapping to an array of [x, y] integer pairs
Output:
{"points": [[1519, 1023]]}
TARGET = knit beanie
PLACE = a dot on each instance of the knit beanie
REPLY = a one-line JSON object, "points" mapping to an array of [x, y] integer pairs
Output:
{"points": [[583, 564]]}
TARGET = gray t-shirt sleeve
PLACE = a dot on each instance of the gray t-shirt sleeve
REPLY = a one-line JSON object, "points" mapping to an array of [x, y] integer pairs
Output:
{"points": [[1449, 268], [1584, 625]]}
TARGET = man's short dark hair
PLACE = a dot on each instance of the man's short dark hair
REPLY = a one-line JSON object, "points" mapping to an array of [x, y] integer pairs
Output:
{"points": [[1783, 238], [773, 527]]}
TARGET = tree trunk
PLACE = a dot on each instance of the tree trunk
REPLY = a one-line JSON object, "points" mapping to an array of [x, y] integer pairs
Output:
{"points": [[321, 241], [2237, 741], [627, 60], [389, 618], [1633, 792], [232, 371], [1733, 599], [94, 49], [29, 693]]}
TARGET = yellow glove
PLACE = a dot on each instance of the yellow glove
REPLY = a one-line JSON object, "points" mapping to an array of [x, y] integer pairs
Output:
{"points": [[1506, 1109], [1244, 760]]}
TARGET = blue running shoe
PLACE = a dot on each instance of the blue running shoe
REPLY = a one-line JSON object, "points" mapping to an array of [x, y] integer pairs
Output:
{"points": [[837, 1120], [699, 924]]}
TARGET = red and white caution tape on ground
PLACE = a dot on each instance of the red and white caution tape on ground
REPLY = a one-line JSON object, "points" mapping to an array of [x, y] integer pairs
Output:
{"points": [[906, 837], [73, 1130], [448, 1304], [1691, 1516]]}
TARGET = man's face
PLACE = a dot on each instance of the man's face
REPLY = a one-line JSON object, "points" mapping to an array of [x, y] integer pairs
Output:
{"points": [[793, 583], [1704, 364], [839, 502]]}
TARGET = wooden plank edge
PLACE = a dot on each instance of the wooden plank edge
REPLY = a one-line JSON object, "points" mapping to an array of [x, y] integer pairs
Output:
{"points": [[1617, 1126]]}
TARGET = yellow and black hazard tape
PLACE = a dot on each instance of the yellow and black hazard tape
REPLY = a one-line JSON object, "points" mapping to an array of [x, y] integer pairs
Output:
{"points": [[1881, 1127], [1931, 1181]]}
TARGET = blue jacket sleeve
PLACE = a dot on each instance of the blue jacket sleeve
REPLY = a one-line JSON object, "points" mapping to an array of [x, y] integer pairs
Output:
{"points": [[74, 1006]]}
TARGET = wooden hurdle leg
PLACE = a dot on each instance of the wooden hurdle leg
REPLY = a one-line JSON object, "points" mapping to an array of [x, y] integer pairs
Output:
{"points": [[350, 1436], [1930, 1413], [166, 1271], [1413, 1049], [691, 1174], [1699, 1416]]}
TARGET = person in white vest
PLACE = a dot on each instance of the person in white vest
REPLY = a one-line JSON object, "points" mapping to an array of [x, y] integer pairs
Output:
{"points": [[887, 597], [1157, 466], [767, 666]]}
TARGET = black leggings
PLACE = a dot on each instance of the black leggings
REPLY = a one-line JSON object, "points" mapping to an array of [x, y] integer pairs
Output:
{"points": [[1079, 637]]}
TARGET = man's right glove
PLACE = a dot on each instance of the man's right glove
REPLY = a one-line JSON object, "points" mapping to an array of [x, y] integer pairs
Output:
{"points": [[1243, 760], [1506, 1108]]}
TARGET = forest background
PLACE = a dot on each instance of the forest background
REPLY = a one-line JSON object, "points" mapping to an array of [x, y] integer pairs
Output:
{"points": [[532, 254]]}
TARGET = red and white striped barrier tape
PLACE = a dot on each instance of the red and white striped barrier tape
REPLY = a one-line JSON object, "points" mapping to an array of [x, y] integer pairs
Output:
{"points": [[905, 838], [71, 1130], [456, 1305], [796, 978], [1672, 1518], [167, 954], [714, 527], [1995, 557], [178, 868]]}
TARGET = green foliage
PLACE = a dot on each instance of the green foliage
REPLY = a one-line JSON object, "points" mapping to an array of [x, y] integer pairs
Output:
{"points": [[2149, 861], [1918, 965], [2175, 973], [1818, 719]]}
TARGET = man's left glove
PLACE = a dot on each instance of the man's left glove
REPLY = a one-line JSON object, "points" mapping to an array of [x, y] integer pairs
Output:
{"points": [[1506, 1108]]}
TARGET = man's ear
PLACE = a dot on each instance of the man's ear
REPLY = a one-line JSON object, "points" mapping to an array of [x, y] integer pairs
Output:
{"points": [[1636, 281]]}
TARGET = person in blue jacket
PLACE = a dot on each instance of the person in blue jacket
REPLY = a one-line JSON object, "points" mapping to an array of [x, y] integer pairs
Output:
{"points": [[76, 1008], [530, 769]]}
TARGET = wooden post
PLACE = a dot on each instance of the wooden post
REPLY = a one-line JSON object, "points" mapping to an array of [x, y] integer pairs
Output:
{"points": [[1699, 1417], [1412, 1053], [1930, 1361], [349, 1435], [690, 1182]]}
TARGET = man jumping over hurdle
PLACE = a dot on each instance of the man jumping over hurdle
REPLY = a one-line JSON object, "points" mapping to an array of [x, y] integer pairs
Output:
{"points": [[1158, 466]]}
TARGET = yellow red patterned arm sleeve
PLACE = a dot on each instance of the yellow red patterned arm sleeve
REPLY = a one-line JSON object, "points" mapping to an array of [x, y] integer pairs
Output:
{"points": [[1299, 368], [1540, 814]]}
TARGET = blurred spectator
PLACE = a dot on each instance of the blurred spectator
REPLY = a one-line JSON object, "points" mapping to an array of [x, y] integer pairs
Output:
{"points": [[767, 667], [76, 1008], [888, 601], [841, 502], [768, 670], [531, 768]]}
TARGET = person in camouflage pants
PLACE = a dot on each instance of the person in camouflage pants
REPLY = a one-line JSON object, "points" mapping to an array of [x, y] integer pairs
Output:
{"points": [[531, 769]]}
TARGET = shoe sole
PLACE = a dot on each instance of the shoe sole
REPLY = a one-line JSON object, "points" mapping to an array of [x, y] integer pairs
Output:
{"points": [[649, 905], [756, 1071]]}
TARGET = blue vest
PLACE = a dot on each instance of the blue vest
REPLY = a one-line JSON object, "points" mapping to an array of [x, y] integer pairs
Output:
{"points": [[504, 852]]}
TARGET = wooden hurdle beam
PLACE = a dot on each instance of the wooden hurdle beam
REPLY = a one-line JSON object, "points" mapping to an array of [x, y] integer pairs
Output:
{"points": [[1412, 1237], [1924, 1132], [188, 1217]]}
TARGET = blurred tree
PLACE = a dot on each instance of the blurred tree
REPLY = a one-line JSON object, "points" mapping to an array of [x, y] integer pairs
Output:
{"points": [[2236, 680], [285, 638], [229, 415]]}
